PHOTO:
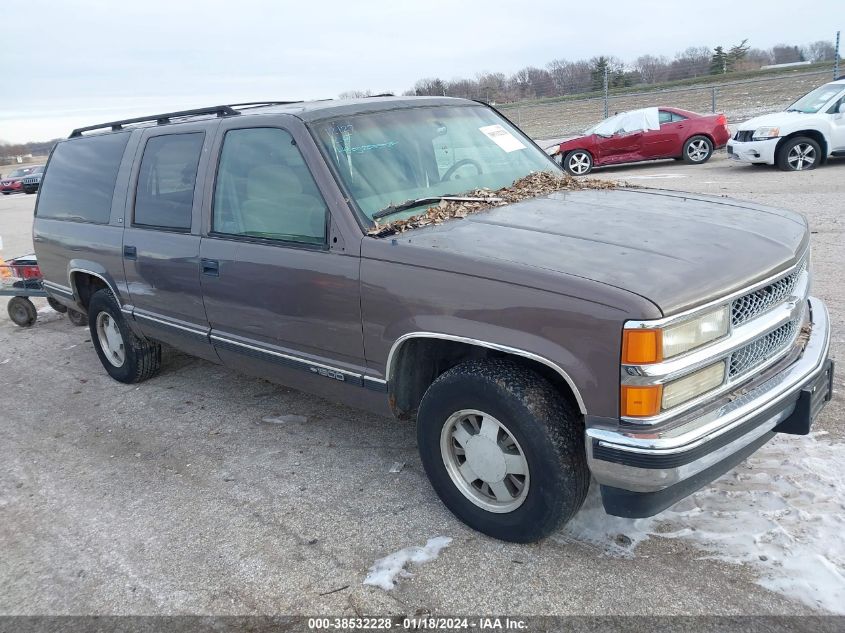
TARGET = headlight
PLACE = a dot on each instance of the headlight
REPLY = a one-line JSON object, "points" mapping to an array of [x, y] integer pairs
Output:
{"points": [[642, 401], [553, 150], [652, 345], [699, 382], [765, 133]]}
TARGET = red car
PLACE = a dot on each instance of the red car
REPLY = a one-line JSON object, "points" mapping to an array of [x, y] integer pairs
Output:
{"points": [[11, 183], [645, 134]]}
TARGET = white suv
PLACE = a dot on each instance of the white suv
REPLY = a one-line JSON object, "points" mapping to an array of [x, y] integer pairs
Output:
{"points": [[803, 137]]}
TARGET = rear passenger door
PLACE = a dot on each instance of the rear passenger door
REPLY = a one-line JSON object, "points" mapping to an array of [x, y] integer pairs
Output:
{"points": [[161, 242], [282, 296]]}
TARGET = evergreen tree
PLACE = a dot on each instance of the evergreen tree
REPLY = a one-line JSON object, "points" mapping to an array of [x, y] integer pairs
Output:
{"points": [[719, 61]]}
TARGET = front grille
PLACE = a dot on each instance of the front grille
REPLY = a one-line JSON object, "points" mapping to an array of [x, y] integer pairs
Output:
{"points": [[744, 136], [756, 303], [746, 358]]}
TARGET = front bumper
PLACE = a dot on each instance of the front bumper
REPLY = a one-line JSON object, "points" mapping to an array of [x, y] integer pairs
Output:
{"points": [[753, 151], [644, 471]]}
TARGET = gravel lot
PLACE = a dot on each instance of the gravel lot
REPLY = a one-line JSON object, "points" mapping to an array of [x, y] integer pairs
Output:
{"points": [[176, 497]]}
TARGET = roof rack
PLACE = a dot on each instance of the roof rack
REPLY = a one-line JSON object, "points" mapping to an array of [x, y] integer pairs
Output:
{"points": [[258, 104], [160, 119]]}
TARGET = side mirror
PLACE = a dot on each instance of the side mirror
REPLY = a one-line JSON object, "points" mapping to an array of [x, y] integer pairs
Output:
{"points": [[841, 109]]}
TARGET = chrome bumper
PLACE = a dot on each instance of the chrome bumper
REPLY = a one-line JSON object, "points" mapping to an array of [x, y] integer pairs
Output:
{"points": [[649, 460]]}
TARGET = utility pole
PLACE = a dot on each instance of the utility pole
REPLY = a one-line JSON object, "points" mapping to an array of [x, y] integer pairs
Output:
{"points": [[605, 90], [836, 58]]}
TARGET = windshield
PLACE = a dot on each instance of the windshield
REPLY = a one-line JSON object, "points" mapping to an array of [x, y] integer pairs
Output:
{"points": [[814, 101], [387, 158], [23, 171]]}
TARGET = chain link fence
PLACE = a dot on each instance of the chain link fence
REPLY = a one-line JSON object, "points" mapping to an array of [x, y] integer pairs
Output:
{"points": [[739, 100]]}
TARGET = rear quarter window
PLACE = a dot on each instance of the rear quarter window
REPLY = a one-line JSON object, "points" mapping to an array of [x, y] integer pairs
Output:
{"points": [[80, 179]]}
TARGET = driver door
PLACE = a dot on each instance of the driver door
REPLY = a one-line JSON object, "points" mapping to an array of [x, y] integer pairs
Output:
{"points": [[837, 125], [621, 147]]}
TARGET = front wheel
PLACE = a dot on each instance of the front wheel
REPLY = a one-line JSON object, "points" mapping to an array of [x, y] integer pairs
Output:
{"points": [[799, 154], [697, 150], [125, 357], [578, 163], [503, 450]]}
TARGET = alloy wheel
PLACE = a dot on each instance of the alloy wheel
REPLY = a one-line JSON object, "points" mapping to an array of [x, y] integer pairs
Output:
{"points": [[698, 150], [110, 339], [484, 461], [579, 163], [801, 156]]}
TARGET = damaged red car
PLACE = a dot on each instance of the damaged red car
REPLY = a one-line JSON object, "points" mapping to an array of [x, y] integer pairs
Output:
{"points": [[645, 134]]}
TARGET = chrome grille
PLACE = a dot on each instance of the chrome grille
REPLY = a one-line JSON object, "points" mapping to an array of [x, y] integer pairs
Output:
{"points": [[762, 349], [755, 303]]}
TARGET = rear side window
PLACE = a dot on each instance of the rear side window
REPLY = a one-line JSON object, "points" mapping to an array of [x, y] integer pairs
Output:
{"points": [[265, 190], [79, 185], [165, 193]]}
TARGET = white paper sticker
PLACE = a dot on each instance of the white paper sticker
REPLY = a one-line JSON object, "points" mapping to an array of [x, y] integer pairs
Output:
{"points": [[501, 137]]}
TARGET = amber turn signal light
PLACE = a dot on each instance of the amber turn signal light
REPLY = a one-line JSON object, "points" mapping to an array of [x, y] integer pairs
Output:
{"points": [[641, 402], [642, 346]]}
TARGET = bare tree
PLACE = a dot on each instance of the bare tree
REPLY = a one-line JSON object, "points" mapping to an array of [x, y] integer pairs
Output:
{"points": [[821, 51], [354, 94], [785, 54], [693, 62], [430, 86], [652, 69]]}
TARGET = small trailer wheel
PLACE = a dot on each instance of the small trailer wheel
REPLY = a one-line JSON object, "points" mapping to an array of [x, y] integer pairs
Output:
{"points": [[77, 318], [58, 307], [22, 311]]}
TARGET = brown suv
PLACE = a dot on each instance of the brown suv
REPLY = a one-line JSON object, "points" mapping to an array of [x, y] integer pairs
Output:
{"points": [[650, 339]]}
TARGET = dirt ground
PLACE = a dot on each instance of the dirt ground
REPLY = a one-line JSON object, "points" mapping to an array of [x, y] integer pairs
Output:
{"points": [[181, 495]]}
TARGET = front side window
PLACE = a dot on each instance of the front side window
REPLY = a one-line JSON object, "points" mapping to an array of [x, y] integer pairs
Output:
{"points": [[390, 157], [165, 193], [265, 190], [79, 184]]}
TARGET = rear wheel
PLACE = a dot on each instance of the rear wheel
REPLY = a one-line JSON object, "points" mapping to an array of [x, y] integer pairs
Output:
{"points": [[697, 150], [503, 450], [125, 357], [799, 154], [77, 318], [578, 163], [58, 307], [22, 311]]}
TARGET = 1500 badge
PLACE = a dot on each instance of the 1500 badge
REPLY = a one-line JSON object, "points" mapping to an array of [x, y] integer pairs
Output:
{"points": [[328, 373]]}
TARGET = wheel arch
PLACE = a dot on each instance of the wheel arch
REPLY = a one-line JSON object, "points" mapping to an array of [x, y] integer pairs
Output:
{"points": [[817, 136], [416, 359], [86, 278]]}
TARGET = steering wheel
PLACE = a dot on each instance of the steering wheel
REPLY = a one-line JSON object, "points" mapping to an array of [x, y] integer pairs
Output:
{"points": [[464, 161]]}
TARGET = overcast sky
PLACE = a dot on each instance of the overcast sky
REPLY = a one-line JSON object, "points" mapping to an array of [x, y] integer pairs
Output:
{"points": [[76, 62]]}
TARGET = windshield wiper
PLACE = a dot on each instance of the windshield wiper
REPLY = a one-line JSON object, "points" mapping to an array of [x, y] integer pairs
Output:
{"points": [[410, 204]]}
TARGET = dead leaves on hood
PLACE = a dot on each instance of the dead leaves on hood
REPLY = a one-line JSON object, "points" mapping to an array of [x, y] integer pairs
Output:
{"points": [[531, 186]]}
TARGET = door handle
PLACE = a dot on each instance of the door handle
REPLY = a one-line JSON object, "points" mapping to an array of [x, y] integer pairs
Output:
{"points": [[130, 252], [210, 267]]}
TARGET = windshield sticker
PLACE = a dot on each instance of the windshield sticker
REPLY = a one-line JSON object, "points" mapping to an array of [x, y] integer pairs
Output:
{"points": [[501, 137]]}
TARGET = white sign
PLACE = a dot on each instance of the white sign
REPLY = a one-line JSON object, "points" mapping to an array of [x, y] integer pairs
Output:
{"points": [[501, 137]]}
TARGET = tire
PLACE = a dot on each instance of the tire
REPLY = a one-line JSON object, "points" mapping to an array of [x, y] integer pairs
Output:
{"points": [[793, 155], [578, 162], [22, 311], [58, 307], [77, 318], [135, 359], [543, 435], [697, 150]]}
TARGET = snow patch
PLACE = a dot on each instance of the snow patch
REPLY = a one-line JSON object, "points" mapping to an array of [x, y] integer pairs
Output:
{"points": [[385, 571], [781, 512]]}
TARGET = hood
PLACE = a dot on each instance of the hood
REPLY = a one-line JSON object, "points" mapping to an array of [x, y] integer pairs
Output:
{"points": [[775, 119], [677, 250], [575, 143]]}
